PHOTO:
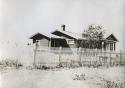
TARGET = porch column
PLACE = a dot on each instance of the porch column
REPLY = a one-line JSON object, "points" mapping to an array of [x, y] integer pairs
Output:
{"points": [[103, 47], [114, 46], [54, 42], [107, 47], [49, 43], [110, 46]]}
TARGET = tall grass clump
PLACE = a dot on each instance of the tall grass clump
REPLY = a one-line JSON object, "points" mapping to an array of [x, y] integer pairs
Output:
{"points": [[112, 84], [11, 63]]}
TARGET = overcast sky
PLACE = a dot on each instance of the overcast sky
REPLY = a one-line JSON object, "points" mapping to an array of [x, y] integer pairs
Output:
{"points": [[19, 19]]}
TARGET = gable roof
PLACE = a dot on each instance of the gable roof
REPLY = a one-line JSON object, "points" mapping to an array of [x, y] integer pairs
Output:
{"points": [[40, 36], [67, 34], [111, 37]]}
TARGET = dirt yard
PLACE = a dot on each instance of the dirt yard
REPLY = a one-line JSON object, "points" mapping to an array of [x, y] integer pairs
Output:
{"points": [[64, 78]]}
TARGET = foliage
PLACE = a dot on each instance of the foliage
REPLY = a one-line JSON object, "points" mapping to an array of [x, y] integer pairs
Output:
{"points": [[95, 32], [43, 67], [94, 35], [79, 77]]}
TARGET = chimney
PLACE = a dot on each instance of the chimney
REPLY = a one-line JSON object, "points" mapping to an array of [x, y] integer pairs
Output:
{"points": [[63, 27]]}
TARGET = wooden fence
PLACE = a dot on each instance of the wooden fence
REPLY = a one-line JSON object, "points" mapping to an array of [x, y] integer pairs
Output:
{"points": [[77, 57]]}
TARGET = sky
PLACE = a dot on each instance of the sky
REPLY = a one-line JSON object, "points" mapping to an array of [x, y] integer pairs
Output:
{"points": [[19, 19]]}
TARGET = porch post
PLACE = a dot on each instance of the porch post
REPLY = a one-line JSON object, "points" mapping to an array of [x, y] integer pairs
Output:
{"points": [[110, 47], [101, 45], [54, 42], [105, 45], [50, 43], [114, 46]]}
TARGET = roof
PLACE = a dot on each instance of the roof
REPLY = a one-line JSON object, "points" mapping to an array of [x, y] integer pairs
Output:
{"points": [[79, 36], [70, 34], [109, 35], [58, 34], [40, 36], [53, 36]]}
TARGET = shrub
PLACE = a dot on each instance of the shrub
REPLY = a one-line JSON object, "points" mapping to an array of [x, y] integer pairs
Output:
{"points": [[42, 67], [79, 77]]}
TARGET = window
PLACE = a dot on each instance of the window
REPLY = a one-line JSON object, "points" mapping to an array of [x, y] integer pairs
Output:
{"points": [[71, 41]]}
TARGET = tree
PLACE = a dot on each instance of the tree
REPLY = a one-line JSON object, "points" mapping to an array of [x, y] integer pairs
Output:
{"points": [[94, 35]]}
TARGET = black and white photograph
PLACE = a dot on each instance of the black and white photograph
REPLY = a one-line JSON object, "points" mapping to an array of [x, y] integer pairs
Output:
{"points": [[62, 43]]}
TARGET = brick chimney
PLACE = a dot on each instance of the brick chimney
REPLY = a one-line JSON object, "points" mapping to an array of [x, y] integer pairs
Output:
{"points": [[63, 27]]}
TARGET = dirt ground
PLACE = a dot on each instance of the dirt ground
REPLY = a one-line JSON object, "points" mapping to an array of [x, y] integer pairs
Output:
{"points": [[61, 78]]}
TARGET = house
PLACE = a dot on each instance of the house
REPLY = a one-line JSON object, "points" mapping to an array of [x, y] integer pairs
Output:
{"points": [[63, 38]]}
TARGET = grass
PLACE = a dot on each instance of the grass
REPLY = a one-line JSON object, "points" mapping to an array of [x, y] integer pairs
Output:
{"points": [[82, 77], [11, 63]]}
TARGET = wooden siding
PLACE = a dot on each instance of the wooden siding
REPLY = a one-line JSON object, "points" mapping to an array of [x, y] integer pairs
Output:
{"points": [[44, 42]]}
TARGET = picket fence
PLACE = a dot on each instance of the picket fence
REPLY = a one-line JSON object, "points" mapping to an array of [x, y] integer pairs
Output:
{"points": [[77, 56]]}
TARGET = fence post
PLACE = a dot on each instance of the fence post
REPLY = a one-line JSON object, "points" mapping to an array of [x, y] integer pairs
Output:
{"points": [[110, 58], [17, 65], [35, 51], [80, 55], [60, 50], [120, 57]]}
